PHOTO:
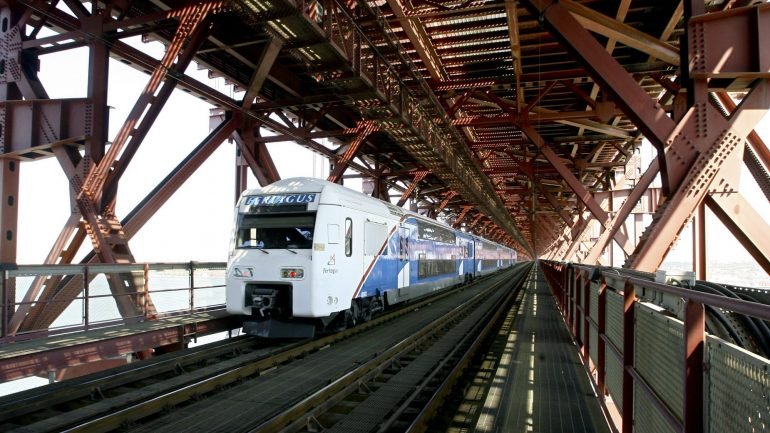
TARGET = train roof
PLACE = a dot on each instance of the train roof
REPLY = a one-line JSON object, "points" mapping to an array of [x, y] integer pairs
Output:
{"points": [[335, 194]]}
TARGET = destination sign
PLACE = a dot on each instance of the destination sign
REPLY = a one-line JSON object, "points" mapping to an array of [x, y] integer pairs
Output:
{"points": [[273, 200]]}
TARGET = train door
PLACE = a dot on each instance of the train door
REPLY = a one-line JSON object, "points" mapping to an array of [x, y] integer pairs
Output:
{"points": [[403, 256]]}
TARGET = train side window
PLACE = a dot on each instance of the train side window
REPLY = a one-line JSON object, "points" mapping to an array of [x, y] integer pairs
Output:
{"points": [[334, 233], [348, 237]]}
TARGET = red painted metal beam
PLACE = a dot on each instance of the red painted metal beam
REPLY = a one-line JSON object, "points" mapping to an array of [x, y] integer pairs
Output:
{"points": [[363, 130], [726, 32], [142, 213], [601, 355], [64, 249], [9, 221], [575, 184], [629, 301], [461, 216], [191, 34], [98, 72], [256, 156], [644, 112], [745, 223], [418, 177], [619, 218], [725, 151], [134, 221], [70, 355], [265, 62], [564, 215], [449, 196], [31, 127], [533, 117], [694, 358], [10, 170]]}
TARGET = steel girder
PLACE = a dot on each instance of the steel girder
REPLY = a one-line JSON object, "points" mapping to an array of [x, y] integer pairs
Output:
{"points": [[418, 177], [92, 190], [503, 183], [680, 142], [175, 61], [428, 136], [41, 315], [363, 130], [256, 157], [255, 153]]}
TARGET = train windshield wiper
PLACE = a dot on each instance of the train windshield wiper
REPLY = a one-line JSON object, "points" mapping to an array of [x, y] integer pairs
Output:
{"points": [[260, 249], [291, 251]]}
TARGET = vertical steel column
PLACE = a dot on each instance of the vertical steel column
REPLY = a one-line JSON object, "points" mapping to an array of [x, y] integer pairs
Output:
{"points": [[576, 307], [5, 305], [9, 221], [146, 292], [629, 297], [695, 341], [567, 290], [86, 297], [699, 243], [98, 73], [250, 154], [572, 301], [192, 286], [586, 317], [9, 173], [565, 295], [601, 360], [9, 209], [241, 173]]}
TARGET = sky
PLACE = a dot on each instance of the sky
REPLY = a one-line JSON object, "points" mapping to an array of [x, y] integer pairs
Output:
{"points": [[195, 223]]}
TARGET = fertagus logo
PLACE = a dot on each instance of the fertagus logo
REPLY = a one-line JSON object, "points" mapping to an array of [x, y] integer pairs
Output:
{"points": [[272, 200]]}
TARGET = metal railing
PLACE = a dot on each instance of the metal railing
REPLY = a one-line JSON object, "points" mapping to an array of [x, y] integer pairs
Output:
{"points": [[159, 290], [659, 368]]}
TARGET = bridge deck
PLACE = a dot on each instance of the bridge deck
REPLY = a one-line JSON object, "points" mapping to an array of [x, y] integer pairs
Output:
{"points": [[538, 382], [41, 356]]}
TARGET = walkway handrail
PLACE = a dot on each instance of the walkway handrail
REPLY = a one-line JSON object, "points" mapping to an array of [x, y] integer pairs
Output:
{"points": [[654, 352], [754, 309], [156, 279]]}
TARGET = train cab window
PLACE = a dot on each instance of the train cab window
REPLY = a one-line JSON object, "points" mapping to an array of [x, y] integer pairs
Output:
{"points": [[469, 251], [348, 237], [275, 232]]}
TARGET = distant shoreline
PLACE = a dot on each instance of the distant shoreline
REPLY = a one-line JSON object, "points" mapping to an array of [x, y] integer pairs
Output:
{"points": [[738, 273]]}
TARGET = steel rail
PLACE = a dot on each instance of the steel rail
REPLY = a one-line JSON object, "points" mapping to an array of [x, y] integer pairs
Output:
{"points": [[151, 398], [419, 424], [40, 398], [296, 417], [146, 403]]}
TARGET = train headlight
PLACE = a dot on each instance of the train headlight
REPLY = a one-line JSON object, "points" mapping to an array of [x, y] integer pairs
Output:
{"points": [[243, 272], [293, 273]]}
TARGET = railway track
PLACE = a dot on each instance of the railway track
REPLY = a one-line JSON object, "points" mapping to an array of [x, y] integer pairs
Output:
{"points": [[241, 385], [61, 403], [401, 389]]}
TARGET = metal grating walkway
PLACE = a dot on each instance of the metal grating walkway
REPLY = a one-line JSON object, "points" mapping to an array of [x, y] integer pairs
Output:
{"points": [[78, 349], [539, 383]]}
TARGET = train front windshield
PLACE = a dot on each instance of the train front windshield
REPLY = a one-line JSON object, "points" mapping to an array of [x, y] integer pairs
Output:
{"points": [[275, 231]]}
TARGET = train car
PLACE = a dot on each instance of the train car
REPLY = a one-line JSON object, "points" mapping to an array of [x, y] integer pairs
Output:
{"points": [[307, 254]]}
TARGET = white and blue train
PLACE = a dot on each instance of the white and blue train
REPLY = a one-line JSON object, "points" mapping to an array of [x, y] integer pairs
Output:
{"points": [[308, 254]]}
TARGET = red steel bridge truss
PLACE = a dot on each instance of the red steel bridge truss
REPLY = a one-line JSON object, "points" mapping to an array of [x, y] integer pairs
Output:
{"points": [[516, 119]]}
